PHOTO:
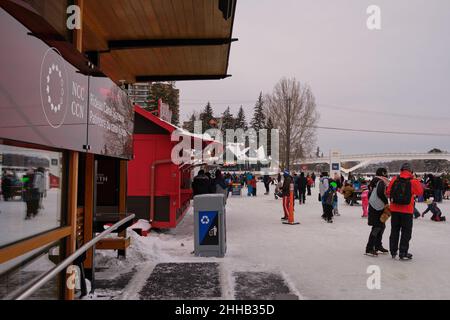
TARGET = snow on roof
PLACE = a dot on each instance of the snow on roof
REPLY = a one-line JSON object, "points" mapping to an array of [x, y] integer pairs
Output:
{"points": [[171, 127]]}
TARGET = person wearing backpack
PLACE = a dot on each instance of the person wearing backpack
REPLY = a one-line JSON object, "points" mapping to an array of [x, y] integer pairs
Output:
{"points": [[377, 203], [402, 192], [324, 185], [328, 201]]}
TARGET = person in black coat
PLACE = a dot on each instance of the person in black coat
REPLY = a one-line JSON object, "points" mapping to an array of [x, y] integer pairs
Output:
{"points": [[377, 203], [438, 185], [267, 181], [302, 183], [201, 184]]}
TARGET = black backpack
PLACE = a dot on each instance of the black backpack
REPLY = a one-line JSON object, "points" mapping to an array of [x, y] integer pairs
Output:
{"points": [[401, 191]]}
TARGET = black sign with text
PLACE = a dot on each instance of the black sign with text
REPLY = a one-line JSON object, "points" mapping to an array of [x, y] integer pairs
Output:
{"points": [[46, 100]]}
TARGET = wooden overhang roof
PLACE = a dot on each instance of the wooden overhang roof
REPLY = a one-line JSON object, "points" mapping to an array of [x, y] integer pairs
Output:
{"points": [[159, 40]]}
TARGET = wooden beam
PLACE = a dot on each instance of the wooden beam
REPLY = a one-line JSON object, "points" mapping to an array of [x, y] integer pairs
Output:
{"points": [[181, 77], [89, 180], [78, 33], [163, 43], [18, 249], [113, 244], [72, 211]]}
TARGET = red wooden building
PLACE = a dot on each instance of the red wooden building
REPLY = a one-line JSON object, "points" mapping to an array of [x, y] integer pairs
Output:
{"points": [[158, 189]]}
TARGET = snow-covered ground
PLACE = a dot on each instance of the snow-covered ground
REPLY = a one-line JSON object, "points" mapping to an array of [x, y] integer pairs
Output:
{"points": [[317, 260]]}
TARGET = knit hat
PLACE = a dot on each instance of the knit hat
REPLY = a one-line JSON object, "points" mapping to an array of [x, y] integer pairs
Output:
{"points": [[406, 167], [381, 172], [286, 172], [333, 185]]}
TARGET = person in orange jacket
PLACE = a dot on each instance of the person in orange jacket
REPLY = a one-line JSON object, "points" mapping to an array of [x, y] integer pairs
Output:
{"points": [[402, 192]]}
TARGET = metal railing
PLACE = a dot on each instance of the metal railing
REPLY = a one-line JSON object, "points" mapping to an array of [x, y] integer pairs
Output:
{"points": [[21, 294], [376, 156]]}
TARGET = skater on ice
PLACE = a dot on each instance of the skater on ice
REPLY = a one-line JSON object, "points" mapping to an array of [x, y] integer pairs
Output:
{"points": [[365, 201], [377, 203], [434, 209], [328, 201], [286, 193], [402, 192]]}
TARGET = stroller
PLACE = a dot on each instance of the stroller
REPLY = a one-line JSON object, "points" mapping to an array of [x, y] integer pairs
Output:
{"points": [[277, 193]]}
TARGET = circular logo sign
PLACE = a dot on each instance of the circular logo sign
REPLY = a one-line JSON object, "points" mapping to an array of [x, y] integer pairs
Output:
{"points": [[54, 87], [205, 220]]}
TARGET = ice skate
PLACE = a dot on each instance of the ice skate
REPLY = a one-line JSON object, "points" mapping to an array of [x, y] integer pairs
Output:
{"points": [[371, 253], [382, 250], [406, 256]]}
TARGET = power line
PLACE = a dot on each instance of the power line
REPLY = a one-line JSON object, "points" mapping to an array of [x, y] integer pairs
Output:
{"points": [[384, 132], [327, 106], [392, 114]]}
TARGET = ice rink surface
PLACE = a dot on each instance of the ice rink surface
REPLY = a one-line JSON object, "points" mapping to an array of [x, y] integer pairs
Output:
{"points": [[318, 260]]}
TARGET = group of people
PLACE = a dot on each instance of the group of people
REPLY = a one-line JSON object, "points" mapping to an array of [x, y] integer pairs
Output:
{"points": [[303, 185], [31, 187], [205, 183], [328, 189], [436, 187], [396, 199], [382, 199]]}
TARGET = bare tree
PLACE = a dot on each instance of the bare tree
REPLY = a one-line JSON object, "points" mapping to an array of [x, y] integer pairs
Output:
{"points": [[292, 108]]}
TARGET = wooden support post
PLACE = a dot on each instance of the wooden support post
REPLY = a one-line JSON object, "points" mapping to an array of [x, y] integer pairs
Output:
{"points": [[123, 198], [89, 204], [78, 33], [72, 211]]}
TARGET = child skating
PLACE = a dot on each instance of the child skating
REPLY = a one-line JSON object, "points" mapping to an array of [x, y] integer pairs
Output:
{"points": [[328, 201], [365, 201], [437, 213]]}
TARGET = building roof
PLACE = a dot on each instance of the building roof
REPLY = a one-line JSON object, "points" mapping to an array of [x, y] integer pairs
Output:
{"points": [[170, 127], [159, 40], [141, 40]]}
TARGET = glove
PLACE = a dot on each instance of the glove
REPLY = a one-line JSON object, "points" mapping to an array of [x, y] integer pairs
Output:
{"points": [[386, 214]]}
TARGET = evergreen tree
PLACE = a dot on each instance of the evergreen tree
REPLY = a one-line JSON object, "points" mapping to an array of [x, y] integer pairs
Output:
{"points": [[227, 120], [240, 122], [259, 119], [206, 117], [318, 152], [169, 94], [189, 125]]}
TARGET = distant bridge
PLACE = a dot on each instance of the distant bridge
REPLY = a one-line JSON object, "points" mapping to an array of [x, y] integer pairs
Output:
{"points": [[366, 159]]}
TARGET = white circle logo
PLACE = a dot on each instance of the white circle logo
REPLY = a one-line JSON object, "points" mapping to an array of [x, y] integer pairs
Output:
{"points": [[53, 88], [55, 105], [205, 220]]}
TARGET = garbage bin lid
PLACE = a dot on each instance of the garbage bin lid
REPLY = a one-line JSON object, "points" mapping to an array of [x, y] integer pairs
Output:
{"points": [[209, 196]]}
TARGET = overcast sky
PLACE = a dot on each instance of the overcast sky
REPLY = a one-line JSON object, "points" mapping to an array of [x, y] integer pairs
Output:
{"points": [[402, 69]]}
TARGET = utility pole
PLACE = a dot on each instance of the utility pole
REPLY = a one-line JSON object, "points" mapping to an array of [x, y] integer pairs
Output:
{"points": [[288, 135]]}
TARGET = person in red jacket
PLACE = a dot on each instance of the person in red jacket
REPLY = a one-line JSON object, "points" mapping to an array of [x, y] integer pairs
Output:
{"points": [[402, 192]]}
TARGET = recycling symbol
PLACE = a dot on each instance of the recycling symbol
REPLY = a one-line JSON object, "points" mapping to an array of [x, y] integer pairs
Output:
{"points": [[205, 220], [55, 71]]}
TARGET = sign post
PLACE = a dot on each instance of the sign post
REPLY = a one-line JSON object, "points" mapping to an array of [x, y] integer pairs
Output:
{"points": [[335, 163]]}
